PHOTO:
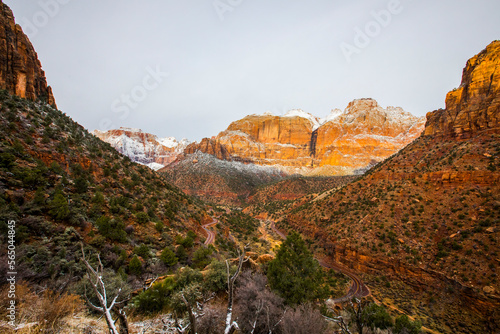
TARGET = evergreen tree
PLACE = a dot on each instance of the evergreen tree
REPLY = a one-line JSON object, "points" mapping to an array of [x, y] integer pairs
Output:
{"points": [[135, 266], [59, 208], [168, 257], [294, 273]]}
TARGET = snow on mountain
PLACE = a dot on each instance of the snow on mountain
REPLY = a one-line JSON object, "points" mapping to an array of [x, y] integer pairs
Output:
{"points": [[301, 113], [143, 147]]}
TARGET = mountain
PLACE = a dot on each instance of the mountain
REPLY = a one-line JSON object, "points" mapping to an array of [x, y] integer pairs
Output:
{"points": [[298, 142], [428, 217], [142, 147], [21, 72]]}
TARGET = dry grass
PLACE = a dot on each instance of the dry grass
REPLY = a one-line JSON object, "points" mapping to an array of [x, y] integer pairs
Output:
{"points": [[39, 312]]}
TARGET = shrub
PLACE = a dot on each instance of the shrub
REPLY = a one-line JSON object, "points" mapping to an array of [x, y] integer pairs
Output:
{"points": [[403, 325], [142, 217], [135, 266], [168, 257], [201, 257], [113, 229]]}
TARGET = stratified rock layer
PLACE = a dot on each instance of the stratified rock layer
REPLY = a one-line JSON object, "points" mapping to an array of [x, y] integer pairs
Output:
{"points": [[475, 105], [21, 72], [346, 141]]}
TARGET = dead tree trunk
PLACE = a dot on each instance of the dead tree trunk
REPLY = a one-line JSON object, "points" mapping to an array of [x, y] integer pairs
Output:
{"points": [[232, 326], [95, 278]]}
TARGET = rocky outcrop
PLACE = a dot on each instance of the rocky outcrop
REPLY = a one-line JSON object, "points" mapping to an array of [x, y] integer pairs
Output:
{"points": [[365, 133], [21, 72], [298, 142], [475, 105], [143, 147]]}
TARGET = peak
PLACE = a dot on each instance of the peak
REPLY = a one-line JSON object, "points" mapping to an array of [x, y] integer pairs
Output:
{"points": [[474, 106], [363, 103]]}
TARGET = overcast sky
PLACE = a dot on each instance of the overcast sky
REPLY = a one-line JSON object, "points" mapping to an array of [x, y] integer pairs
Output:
{"points": [[190, 68]]}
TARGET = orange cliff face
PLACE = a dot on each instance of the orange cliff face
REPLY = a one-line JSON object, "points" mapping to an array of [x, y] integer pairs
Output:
{"points": [[298, 142], [365, 133], [475, 105], [21, 73]]}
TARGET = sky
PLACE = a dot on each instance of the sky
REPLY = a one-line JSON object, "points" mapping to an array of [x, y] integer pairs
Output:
{"points": [[188, 69]]}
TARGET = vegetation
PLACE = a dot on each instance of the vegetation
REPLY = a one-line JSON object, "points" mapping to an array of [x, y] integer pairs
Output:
{"points": [[295, 274]]}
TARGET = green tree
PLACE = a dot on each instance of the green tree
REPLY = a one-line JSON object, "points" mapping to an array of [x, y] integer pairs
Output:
{"points": [[81, 185], [403, 325], [294, 273], [135, 266], [181, 253], [59, 208], [201, 257], [168, 257], [142, 250], [113, 229], [376, 316]]}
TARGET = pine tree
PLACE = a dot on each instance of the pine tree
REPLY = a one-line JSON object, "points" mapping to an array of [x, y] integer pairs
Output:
{"points": [[294, 273], [59, 208], [168, 257]]}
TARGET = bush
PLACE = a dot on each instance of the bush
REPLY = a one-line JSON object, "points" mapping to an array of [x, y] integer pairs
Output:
{"points": [[142, 251], [135, 266], [156, 298], [168, 257], [113, 229], [201, 257], [404, 325], [142, 217]]}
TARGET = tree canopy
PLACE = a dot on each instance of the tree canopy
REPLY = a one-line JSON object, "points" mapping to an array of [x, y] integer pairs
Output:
{"points": [[294, 273]]}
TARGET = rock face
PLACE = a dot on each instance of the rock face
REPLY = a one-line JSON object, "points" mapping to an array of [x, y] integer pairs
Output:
{"points": [[298, 142], [21, 73], [365, 133], [475, 105], [143, 147]]}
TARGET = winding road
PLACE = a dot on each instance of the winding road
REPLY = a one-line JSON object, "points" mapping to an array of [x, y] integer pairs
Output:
{"points": [[210, 234], [358, 288]]}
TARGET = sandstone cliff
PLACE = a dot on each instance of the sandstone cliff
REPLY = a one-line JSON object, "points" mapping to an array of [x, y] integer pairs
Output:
{"points": [[143, 147], [21, 73], [475, 105], [298, 142]]}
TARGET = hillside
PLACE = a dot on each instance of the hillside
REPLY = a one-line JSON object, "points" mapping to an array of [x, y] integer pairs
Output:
{"points": [[428, 217], [218, 181], [62, 185]]}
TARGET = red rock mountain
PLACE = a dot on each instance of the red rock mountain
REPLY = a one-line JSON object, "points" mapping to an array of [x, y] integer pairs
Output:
{"points": [[143, 147], [428, 218], [364, 133], [21, 73]]}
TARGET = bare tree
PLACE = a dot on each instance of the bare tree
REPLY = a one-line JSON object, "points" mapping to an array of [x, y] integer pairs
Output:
{"points": [[232, 326], [258, 308], [95, 277]]}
